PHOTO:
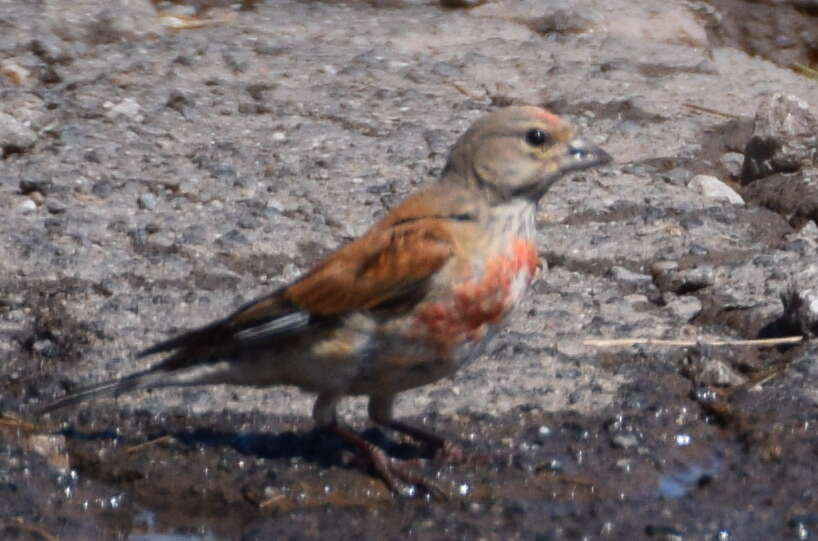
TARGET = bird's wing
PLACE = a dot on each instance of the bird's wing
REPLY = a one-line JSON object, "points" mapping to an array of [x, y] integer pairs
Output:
{"points": [[266, 316], [389, 265], [385, 266]]}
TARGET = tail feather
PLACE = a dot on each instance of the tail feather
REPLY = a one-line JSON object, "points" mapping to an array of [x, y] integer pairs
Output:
{"points": [[140, 380]]}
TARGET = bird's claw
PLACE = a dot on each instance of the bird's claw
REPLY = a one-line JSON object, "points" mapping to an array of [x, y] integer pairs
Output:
{"points": [[450, 453], [402, 479]]}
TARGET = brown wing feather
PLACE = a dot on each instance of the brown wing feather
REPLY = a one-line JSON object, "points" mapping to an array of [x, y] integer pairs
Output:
{"points": [[386, 263], [390, 263]]}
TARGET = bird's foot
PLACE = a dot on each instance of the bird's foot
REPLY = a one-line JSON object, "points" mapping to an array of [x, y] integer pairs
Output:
{"points": [[398, 475], [445, 450], [450, 453]]}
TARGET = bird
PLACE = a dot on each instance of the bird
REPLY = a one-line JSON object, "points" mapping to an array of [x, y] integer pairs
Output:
{"points": [[411, 301]]}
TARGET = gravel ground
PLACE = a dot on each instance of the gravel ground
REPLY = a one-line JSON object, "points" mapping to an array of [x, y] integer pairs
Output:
{"points": [[162, 164]]}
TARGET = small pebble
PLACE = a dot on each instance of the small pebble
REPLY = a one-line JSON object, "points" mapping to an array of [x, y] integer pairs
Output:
{"points": [[713, 188], [55, 206], [16, 73], [732, 162], [128, 108], [624, 441], [37, 197], [685, 307], [718, 373], [15, 134], [621, 274], [27, 206], [146, 201]]}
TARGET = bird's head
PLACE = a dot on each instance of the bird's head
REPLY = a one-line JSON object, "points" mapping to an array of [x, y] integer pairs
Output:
{"points": [[519, 152]]}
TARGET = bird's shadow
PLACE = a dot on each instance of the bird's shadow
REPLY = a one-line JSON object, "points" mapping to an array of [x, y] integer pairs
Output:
{"points": [[316, 446]]}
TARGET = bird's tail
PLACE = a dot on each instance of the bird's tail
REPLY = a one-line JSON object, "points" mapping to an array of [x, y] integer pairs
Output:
{"points": [[152, 377]]}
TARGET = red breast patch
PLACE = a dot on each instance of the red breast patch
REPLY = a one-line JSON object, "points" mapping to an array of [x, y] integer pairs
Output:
{"points": [[481, 301]]}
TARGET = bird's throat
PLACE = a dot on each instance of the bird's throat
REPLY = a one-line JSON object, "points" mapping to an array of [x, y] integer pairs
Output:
{"points": [[515, 218]]}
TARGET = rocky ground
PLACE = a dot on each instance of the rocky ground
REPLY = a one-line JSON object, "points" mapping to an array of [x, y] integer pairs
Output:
{"points": [[162, 164]]}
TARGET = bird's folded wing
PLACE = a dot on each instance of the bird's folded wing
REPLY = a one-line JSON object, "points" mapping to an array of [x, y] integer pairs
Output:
{"points": [[266, 316], [379, 268], [383, 267]]}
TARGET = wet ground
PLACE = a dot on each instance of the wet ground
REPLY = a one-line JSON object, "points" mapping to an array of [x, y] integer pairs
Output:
{"points": [[671, 458], [169, 176]]}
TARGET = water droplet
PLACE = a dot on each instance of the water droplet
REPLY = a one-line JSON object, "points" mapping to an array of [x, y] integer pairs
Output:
{"points": [[683, 440], [801, 532], [625, 465], [464, 489], [117, 500], [554, 465]]}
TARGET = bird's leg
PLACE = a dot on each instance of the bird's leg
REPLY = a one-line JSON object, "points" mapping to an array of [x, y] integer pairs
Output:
{"points": [[380, 411], [397, 475]]}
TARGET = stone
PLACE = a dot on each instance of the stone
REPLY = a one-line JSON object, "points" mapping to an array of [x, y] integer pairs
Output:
{"points": [[715, 372], [732, 163], [713, 188], [621, 274], [55, 206], [625, 441], [27, 206], [684, 307], [128, 108], [14, 135], [146, 201], [785, 135], [801, 301]]}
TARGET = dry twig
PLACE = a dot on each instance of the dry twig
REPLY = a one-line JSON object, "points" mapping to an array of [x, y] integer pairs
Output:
{"points": [[627, 342], [806, 71], [155, 441], [702, 109]]}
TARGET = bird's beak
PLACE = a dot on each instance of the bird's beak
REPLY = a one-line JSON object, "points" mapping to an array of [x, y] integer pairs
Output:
{"points": [[582, 154]]}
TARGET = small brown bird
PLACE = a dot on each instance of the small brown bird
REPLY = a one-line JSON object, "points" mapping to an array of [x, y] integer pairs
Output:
{"points": [[408, 303]]}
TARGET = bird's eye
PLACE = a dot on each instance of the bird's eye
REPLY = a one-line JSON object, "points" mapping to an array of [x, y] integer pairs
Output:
{"points": [[536, 137]]}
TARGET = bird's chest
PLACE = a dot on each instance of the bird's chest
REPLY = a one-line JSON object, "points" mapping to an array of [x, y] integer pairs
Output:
{"points": [[465, 306], [488, 287]]}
